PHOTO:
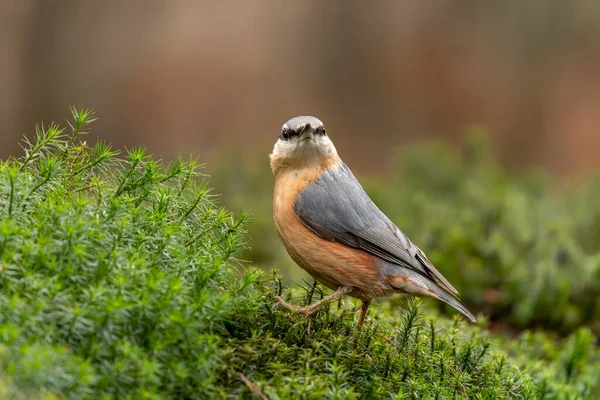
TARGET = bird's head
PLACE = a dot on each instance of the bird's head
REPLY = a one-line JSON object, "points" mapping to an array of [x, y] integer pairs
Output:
{"points": [[302, 142]]}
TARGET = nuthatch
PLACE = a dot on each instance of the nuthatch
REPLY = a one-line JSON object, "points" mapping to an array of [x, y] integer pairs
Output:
{"points": [[333, 230]]}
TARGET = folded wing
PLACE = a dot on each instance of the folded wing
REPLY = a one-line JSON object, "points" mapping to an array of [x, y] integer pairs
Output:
{"points": [[337, 208]]}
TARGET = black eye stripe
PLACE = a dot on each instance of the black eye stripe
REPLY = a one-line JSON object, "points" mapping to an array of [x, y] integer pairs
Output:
{"points": [[287, 133]]}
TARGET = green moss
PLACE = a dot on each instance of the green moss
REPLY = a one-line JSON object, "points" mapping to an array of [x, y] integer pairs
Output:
{"points": [[402, 353], [119, 279]]}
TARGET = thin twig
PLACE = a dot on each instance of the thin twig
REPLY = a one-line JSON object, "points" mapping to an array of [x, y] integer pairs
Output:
{"points": [[384, 338], [252, 386]]}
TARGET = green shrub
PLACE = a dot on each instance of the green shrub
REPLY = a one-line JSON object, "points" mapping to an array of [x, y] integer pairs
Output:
{"points": [[113, 270], [118, 279], [519, 249]]}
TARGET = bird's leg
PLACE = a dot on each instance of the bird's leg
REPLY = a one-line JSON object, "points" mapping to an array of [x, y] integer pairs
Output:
{"points": [[363, 313], [310, 310]]}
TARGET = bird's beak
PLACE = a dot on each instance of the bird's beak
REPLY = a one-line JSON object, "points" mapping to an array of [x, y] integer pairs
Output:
{"points": [[307, 132]]}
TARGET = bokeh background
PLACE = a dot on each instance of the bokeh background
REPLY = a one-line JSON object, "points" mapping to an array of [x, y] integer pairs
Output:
{"points": [[191, 76], [218, 79]]}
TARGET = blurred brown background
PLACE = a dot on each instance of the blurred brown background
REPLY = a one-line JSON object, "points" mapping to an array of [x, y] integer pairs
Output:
{"points": [[191, 76]]}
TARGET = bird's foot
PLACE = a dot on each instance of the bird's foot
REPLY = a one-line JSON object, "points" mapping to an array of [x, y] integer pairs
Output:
{"points": [[308, 311]]}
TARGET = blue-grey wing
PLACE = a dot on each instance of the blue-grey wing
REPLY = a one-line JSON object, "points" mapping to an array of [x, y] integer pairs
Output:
{"points": [[337, 208]]}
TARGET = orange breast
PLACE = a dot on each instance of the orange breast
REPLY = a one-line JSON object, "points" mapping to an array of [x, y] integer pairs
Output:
{"points": [[331, 263]]}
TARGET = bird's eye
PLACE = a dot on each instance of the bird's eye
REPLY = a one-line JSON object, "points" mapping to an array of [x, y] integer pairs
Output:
{"points": [[320, 131], [285, 134]]}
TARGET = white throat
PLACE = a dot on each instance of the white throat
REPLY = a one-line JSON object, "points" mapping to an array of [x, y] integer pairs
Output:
{"points": [[302, 152]]}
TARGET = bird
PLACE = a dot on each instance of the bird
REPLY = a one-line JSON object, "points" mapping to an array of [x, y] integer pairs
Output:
{"points": [[332, 229]]}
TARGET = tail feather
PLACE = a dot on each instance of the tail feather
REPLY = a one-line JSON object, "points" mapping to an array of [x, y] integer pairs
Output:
{"points": [[413, 284], [453, 302]]}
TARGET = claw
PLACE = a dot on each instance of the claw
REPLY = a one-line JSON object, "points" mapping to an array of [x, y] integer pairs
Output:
{"points": [[310, 310], [279, 301]]}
